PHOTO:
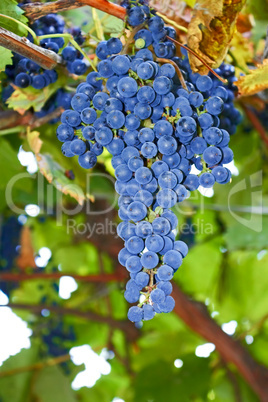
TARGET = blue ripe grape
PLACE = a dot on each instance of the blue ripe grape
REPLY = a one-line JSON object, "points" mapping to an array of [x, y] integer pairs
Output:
{"points": [[71, 117], [131, 137], [132, 122], [161, 226], [166, 286], [157, 296], [149, 150], [136, 211], [135, 313], [113, 104], [123, 173], [142, 279], [136, 16], [69, 53], [214, 105], [167, 145], [142, 111], [80, 102], [207, 180], [143, 229], [146, 94], [132, 295], [163, 127], [213, 135], [146, 135], [145, 71], [204, 83], [172, 218], [86, 89], [149, 260], [159, 167], [94, 79], [205, 120], [134, 163], [78, 147], [135, 245], [198, 145], [22, 80], [99, 100], [115, 147], [114, 45], [78, 67], [154, 243], [151, 186], [115, 119], [104, 136], [38, 81], [212, 155], [181, 192], [88, 115], [162, 85], [172, 161], [165, 273], [173, 258], [191, 182], [121, 64], [66, 149], [148, 312], [132, 187], [88, 160], [102, 50], [155, 24], [105, 68], [65, 133], [196, 99], [186, 125], [228, 155], [220, 173], [133, 264], [143, 175], [168, 245], [167, 180]]}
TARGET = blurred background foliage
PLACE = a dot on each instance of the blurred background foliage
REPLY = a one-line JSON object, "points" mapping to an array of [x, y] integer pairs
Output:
{"points": [[226, 269]]}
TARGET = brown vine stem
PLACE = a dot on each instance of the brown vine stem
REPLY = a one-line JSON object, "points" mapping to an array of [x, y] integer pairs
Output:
{"points": [[251, 115], [21, 45], [38, 10], [183, 84], [199, 58]]}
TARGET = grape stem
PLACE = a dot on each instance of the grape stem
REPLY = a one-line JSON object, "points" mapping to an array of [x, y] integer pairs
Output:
{"points": [[34, 11], [183, 84], [199, 58], [171, 22]]}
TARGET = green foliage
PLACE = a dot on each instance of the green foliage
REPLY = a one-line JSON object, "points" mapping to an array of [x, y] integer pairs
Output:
{"points": [[11, 9]]}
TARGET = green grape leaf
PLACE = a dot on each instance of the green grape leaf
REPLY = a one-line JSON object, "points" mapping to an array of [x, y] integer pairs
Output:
{"points": [[10, 8], [5, 58]]}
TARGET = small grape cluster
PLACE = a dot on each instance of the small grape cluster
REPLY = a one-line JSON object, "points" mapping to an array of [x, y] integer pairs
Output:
{"points": [[26, 72], [156, 127]]}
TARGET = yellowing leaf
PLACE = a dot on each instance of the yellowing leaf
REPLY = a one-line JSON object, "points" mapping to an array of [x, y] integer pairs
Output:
{"points": [[34, 141], [255, 81], [242, 51], [210, 31], [23, 99]]}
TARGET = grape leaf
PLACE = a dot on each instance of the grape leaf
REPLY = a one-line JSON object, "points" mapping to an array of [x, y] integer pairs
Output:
{"points": [[10, 8], [5, 58], [210, 31], [255, 81]]}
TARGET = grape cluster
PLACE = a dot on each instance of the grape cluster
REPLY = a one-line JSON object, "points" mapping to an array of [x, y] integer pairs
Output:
{"points": [[25, 72], [156, 128]]}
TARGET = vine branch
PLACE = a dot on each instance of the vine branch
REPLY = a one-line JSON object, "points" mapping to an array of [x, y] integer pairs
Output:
{"points": [[34, 11], [21, 45]]}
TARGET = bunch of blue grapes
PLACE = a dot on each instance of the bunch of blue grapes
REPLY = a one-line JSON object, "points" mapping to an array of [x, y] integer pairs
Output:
{"points": [[156, 129]]}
